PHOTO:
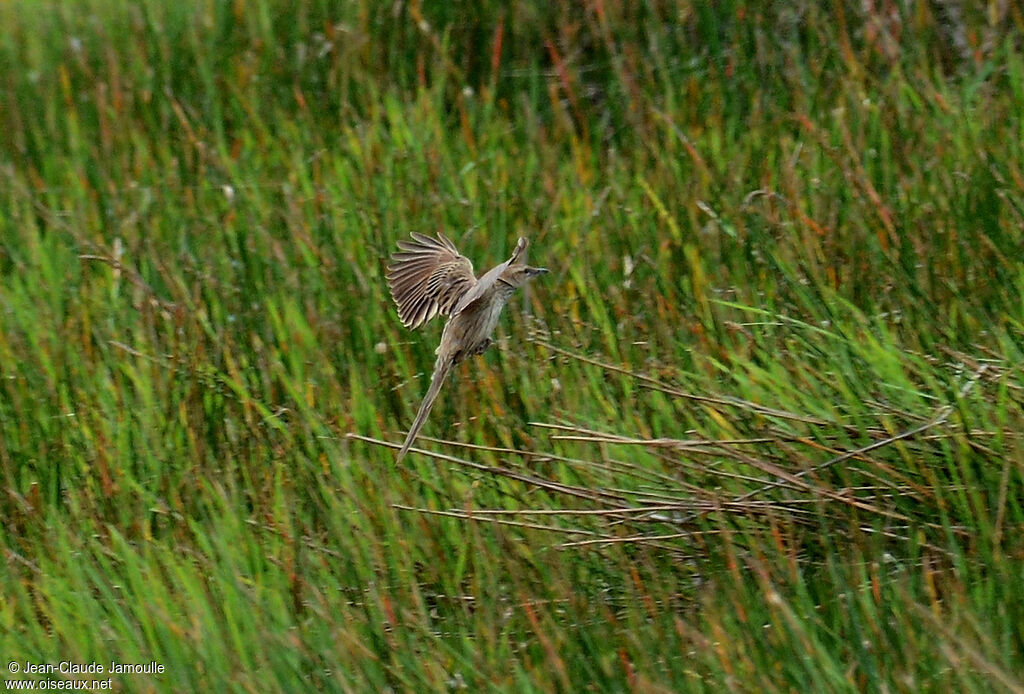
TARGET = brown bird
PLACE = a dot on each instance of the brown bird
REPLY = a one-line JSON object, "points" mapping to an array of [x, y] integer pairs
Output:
{"points": [[429, 277]]}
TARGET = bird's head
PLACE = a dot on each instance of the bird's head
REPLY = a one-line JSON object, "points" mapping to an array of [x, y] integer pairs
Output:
{"points": [[518, 273]]}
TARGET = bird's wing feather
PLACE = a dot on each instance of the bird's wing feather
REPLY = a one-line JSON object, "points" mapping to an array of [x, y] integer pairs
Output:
{"points": [[427, 278], [488, 279]]}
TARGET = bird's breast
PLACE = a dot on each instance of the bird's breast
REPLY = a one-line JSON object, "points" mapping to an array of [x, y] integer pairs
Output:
{"points": [[465, 332]]}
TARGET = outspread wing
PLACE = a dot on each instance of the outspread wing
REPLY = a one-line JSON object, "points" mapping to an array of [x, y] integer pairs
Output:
{"points": [[491, 276], [428, 277]]}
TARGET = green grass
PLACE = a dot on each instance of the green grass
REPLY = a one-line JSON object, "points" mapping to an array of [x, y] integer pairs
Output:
{"points": [[758, 430]]}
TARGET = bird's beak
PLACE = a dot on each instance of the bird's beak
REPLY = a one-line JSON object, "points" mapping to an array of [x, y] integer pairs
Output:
{"points": [[539, 270]]}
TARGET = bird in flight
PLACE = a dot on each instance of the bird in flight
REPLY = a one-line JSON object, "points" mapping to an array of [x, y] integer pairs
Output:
{"points": [[429, 277]]}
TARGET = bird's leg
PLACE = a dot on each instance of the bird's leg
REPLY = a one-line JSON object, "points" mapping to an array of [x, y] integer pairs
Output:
{"points": [[482, 347]]}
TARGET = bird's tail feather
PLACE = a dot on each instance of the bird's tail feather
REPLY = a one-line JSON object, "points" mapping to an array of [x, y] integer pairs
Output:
{"points": [[441, 370]]}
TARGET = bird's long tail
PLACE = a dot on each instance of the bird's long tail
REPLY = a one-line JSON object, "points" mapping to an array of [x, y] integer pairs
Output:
{"points": [[441, 369]]}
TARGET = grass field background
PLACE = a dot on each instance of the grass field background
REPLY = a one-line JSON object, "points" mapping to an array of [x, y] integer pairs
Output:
{"points": [[760, 428]]}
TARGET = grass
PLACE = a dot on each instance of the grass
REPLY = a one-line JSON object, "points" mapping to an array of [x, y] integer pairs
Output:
{"points": [[759, 429]]}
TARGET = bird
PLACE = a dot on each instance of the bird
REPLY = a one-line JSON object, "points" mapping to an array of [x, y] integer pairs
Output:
{"points": [[428, 277]]}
